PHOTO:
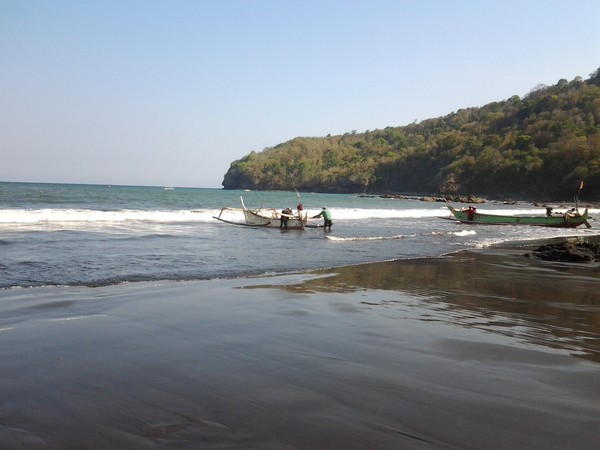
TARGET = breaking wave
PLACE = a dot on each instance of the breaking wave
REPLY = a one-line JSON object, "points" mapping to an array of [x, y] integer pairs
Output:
{"points": [[369, 238]]}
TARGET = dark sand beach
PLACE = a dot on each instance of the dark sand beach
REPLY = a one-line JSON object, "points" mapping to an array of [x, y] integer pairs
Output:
{"points": [[475, 350]]}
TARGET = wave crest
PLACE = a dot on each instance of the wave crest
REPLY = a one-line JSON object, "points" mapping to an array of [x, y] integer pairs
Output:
{"points": [[369, 238]]}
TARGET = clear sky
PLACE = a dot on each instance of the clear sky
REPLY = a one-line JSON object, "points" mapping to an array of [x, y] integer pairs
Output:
{"points": [[156, 92]]}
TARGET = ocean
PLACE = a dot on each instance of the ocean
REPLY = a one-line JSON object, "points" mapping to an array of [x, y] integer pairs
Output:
{"points": [[131, 318], [98, 235]]}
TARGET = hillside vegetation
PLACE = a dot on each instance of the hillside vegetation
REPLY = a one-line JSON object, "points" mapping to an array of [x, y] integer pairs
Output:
{"points": [[537, 147]]}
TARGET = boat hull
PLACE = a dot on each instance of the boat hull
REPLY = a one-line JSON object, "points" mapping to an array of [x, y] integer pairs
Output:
{"points": [[266, 218], [567, 220], [261, 218]]}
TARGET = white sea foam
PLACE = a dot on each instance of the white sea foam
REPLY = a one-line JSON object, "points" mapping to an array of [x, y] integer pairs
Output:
{"points": [[30, 216], [72, 216], [87, 316], [360, 214], [465, 233], [368, 238], [27, 216]]}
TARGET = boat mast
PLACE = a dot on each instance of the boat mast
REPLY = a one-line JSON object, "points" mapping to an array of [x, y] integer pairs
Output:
{"points": [[577, 196]]}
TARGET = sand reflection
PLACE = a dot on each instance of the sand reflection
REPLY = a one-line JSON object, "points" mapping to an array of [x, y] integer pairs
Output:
{"points": [[542, 303]]}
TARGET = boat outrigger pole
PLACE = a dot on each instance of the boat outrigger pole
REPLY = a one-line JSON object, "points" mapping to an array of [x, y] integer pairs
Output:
{"points": [[586, 223], [577, 195]]}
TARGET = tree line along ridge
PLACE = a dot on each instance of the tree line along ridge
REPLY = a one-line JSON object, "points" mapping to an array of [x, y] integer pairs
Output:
{"points": [[537, 147]]}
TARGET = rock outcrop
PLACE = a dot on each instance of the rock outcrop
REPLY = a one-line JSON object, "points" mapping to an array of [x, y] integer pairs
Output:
{"points": [[569, 251]]}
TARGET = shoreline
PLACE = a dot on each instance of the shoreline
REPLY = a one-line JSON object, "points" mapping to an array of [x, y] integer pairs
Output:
{"points": [[508, 247], [481, 348]]}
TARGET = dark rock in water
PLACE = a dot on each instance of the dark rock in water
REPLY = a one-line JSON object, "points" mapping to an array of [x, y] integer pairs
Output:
{"points": [[569, 251]]}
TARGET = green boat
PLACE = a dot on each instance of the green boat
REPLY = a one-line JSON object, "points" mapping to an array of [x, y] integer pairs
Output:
{"points": [[569, 219]]}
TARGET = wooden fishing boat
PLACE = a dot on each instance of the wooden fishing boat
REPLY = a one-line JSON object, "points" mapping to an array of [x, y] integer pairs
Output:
{"points": [[265, 217], [569, 219]]}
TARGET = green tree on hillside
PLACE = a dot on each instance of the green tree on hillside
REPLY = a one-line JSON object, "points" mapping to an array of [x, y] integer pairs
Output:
{"points": [[538, 146]]}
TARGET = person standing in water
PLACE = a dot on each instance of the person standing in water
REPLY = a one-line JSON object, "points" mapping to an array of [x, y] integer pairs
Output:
{"points": [[301, 213], [285, 215], [326, 214]]}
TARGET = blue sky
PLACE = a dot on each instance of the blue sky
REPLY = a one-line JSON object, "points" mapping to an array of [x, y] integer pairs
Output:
{"points": [[171, 92]]}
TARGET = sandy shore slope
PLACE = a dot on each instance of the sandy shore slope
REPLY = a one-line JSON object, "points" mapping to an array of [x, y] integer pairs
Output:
{"points": [[477, 350]]}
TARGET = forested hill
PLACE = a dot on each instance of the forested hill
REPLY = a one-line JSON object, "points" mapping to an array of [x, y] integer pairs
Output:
{"points": [[537, 147]]}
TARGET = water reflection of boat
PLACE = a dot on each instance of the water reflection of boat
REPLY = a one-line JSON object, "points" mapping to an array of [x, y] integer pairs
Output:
{"points": [[264, 217], [569, 219]]}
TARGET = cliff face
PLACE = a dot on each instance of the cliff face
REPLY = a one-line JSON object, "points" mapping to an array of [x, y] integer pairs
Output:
{"points": [[537, 147]]}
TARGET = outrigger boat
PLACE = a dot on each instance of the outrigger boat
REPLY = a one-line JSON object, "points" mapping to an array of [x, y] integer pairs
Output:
{"points": [[570, 219], [265, 217]]}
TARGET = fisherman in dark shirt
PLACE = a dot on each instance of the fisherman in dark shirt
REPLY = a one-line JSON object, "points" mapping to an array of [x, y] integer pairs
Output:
{"points": [[284, 217]]}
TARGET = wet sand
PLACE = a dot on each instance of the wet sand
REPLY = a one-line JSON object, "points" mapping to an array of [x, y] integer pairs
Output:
{"points": [[476, 350]]}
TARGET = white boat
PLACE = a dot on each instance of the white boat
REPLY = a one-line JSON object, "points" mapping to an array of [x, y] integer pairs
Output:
{"points": [[265, 217]]}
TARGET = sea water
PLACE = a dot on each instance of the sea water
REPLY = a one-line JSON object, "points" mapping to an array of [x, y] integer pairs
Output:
{"points": [[63, 234]]}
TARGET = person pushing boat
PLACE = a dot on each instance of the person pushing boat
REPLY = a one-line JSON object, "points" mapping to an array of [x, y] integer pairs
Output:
{"points": [[301, 213], [326, 214], [285, 215]]}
